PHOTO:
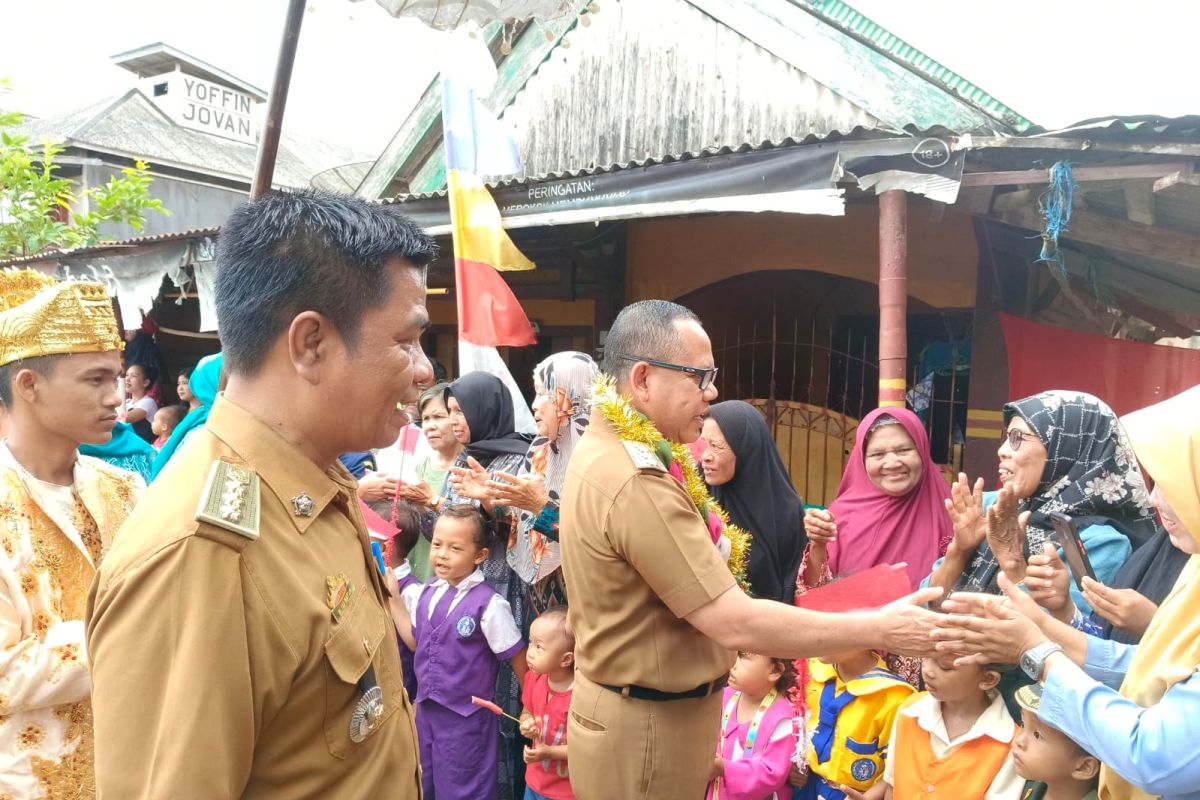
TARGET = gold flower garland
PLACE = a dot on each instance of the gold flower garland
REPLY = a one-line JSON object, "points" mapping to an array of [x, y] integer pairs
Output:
{"points": [[633, 426]]}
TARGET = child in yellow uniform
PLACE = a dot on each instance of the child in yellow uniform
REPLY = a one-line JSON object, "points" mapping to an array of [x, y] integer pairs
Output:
{"points": [[852, 702]]}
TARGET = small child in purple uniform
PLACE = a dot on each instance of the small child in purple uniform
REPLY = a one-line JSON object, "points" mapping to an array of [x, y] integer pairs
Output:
{"points": [[461, 631]]}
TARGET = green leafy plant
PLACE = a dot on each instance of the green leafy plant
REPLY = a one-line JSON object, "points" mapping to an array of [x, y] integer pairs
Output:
{"points": [[35, 203]]}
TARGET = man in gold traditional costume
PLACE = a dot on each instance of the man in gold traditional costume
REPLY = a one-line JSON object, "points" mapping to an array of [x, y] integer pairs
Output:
{"points": [[59, 361]]}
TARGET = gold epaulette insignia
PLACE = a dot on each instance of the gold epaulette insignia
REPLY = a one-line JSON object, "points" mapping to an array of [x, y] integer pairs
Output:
{"points": [[643, 456], [230, 499]]}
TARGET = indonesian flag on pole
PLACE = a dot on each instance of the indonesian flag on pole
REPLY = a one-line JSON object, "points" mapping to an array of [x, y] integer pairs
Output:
{"points": [[489, 315]]}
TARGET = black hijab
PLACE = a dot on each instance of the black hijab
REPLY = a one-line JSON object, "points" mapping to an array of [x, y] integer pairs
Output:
{"points": [[1151, 571], [760, 498], [488, 407]]}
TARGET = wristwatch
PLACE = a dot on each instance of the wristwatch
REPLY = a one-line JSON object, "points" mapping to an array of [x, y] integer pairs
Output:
{"points": [[1033, 660]]}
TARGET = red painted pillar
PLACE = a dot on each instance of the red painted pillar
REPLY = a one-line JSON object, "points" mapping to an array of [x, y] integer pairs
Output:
{"points": [[893, 297]]}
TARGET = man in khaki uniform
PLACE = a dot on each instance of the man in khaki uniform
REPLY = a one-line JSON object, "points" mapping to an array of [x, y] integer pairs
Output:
{"points": [[239, 631], [656, 612]]}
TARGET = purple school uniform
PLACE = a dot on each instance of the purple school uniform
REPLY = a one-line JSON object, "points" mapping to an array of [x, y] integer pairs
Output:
{"points": [[406, 655], [458, 740]]}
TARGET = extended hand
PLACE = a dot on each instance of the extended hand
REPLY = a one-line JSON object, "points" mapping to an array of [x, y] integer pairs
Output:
{"points": [[1006, 533], [797, 778], [375, 487], [1049, 583], [1127, 609], [419, 494], [986, 629], [965, 505], [820, 527], [909, 624], [528, 493], [471, 481]]}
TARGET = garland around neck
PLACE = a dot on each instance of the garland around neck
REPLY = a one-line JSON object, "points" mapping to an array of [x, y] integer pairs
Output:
{"points": [[633, 426]]}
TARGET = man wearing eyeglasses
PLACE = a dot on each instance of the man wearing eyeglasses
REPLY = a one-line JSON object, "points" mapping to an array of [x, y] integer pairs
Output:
{"points": [[656, 613]]}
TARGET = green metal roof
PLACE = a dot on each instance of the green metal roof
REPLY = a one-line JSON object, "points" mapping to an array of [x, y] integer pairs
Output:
{"points": [[826, 40], [858, 24]]}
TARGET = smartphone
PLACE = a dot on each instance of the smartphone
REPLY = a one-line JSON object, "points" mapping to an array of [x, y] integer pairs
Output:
{"points": [[1073, 549]]}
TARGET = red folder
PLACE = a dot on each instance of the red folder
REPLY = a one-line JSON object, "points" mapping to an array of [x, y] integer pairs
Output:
{"points": [[863, 591]]}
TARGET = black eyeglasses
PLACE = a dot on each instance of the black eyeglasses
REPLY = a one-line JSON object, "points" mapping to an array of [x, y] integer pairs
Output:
{"points": [[706, 375], [1015, 436]]}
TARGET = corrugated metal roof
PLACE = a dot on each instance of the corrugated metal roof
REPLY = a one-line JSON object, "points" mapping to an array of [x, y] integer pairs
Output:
{"points": [[122, 244], [132, 126], [716, 92], [887, 42], [858, 134], [655, 78]]}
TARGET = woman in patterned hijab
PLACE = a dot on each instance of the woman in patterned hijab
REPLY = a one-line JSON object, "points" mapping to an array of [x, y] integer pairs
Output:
{"points": [[1064, 452], [561, 409]]}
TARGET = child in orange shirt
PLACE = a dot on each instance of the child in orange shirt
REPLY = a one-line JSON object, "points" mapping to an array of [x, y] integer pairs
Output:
{"points": [[953, 741]]}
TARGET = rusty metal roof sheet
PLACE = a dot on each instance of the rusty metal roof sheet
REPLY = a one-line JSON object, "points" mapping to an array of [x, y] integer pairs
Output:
{"points": [[113, 246], [651, 79]]}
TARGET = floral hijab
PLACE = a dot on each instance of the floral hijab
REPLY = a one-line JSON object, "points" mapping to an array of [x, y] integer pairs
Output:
{"points": [[1091, 475], [566, 380]]}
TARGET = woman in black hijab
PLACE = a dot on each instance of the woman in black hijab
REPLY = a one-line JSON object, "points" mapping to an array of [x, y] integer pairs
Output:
{"points": [[747, 477], [481, 416]]}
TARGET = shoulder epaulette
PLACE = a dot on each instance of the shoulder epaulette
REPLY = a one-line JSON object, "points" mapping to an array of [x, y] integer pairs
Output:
{"points": [[643, 456], [230, 499]]}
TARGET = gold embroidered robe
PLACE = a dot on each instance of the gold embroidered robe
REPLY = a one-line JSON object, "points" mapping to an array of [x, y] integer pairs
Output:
{"points": [[49, 547]]}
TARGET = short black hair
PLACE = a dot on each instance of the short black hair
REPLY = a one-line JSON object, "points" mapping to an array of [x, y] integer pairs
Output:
{"points": [[306, 250], [42, 365], [788, 678], [469, 511], [408, 520], [647, 330], [148, 370]]}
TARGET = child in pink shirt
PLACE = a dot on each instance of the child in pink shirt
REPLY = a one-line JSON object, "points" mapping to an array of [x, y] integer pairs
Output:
{"points": [[756, 741], [547, 699]]}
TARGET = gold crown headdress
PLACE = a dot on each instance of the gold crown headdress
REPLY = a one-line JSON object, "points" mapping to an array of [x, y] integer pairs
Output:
{"points": [[40, 316]]}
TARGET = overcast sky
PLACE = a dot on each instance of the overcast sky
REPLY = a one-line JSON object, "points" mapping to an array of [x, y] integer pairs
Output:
{"points": [[359, 71]]}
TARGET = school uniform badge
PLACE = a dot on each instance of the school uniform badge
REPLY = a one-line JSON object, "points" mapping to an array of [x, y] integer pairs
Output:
{"points": [[863, 769], [465, 626]]}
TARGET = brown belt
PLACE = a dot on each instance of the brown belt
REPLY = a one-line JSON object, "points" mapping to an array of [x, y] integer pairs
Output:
{"points": [[657, 696]]}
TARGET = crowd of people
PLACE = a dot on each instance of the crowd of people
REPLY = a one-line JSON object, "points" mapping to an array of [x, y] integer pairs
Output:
{"points": [[630, 601]]}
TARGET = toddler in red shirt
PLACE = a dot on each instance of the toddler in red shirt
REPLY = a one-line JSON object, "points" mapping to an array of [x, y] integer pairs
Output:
{"points": [[546, 699]]}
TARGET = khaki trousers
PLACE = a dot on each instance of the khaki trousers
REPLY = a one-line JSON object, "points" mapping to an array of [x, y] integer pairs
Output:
{"points": [[626, 749]]}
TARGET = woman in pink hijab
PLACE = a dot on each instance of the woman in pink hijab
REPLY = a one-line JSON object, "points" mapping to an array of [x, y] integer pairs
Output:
{"points": [[890, 508]]}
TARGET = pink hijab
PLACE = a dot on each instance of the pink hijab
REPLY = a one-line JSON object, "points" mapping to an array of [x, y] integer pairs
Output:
{"points": [[877, 528]]}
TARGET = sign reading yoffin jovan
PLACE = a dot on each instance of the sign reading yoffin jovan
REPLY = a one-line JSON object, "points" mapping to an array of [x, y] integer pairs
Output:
{"points": [[212, 108]]}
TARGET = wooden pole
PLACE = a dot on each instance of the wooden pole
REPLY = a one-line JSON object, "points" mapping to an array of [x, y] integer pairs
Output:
{"points": [[893, 297], [268, 143]]}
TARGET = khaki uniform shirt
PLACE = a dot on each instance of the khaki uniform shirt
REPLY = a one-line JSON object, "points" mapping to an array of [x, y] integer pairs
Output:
{"points": [[638, 558], [218, 667]]}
